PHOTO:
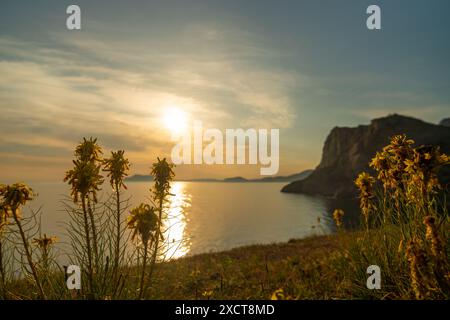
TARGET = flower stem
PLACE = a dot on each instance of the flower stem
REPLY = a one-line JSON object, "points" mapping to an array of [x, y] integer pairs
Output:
{"points": [[28, 253]]}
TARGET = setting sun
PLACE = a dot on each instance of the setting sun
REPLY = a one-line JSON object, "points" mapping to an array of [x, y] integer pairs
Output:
{"points": [[175, 120]]}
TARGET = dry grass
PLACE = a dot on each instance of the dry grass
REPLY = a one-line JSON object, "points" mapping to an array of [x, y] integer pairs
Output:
{"points": [[252, 272], [406, 234]]}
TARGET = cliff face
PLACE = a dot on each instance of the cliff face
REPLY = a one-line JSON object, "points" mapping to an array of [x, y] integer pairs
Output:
{"points": [[445, 122], [347, 151]]}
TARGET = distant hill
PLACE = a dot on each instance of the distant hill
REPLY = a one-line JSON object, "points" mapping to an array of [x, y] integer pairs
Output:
{"points": [[293, 177], [139, 177], [235, 179], [144, 177], [347, 151]]}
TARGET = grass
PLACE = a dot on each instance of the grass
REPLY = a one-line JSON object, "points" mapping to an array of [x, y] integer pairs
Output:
{"points": [[319, 267], [405, 235], [251, 272]]}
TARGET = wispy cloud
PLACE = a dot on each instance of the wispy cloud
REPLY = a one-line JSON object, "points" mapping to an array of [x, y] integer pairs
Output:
{"points": [[53, 93]]}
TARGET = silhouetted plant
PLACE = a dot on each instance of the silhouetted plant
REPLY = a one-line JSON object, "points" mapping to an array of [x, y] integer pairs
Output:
{"points": [[163, 174], [89, 152], [44, 244], [144, 223], [13, 198], [85, 181], [117, 167], [338, 215], [408, 211], [365, 183], [4, 216]]}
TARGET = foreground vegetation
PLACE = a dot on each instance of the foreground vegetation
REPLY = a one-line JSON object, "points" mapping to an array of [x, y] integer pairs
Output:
{"points": [[404, 231]]}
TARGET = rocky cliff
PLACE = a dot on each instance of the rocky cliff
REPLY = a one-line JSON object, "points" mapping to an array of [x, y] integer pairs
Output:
{"points": [[347, 151], [445, 122]]}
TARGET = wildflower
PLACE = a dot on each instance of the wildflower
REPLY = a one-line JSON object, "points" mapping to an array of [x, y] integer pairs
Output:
{"points": [[418, 264], [381, 164], [84, 179], [88, 150], [117, 167], [414, 262], [278, 295], [444, 159], [422, 173], [432, 236], [143, 220], [338, 214], [207, 294], [390, 163], [365, 183], [163, 174], [44, 242], [15, 195]]}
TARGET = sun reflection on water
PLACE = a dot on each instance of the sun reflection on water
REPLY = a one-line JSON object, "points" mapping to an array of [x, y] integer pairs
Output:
{"points": [[176, 243]]}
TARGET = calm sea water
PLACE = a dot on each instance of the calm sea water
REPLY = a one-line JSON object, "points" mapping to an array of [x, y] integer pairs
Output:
{"points": [[212, 216]]}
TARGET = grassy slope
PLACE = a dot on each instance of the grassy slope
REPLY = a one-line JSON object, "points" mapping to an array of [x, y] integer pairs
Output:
{"points": [[253, 272], [320, 267]]}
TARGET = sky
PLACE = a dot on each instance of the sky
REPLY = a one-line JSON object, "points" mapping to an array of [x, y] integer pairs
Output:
{"points": [[303, 67]]}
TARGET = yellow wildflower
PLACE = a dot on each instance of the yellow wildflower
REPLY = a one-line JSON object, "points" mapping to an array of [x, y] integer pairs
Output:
{"points": [[143, 220], [278, 295], [44, 242], [117, 167], [338, 214], [432, 236], [365, 183]]}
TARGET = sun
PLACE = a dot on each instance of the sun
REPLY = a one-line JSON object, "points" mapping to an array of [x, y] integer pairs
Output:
{"points": [[175, 120]]}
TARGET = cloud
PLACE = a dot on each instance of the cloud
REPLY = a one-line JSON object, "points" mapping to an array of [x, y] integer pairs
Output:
{"points": [[53, 93]]}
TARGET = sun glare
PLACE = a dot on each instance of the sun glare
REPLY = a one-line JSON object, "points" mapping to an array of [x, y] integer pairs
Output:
{"points": [[175, 120]]}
